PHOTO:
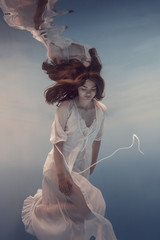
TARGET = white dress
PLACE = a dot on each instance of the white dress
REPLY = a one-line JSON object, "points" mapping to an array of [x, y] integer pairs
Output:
{"points": [[77, 146]]}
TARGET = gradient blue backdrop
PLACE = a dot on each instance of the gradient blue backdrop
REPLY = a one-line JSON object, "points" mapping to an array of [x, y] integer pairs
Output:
{"points": [[126, 35]]}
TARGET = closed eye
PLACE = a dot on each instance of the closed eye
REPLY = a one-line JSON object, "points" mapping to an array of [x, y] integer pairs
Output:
{"points": [[84, 88]]}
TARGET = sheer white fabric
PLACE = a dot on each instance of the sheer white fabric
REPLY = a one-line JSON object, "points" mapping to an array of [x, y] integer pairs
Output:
{"points": [[21, 14]]}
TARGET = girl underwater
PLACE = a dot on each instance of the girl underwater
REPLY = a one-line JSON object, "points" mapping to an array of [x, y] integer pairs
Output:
{"points": [[69, 206]]}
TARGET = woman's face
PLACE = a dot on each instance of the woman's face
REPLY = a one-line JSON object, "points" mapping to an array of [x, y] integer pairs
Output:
{"points": [[87, 91]]}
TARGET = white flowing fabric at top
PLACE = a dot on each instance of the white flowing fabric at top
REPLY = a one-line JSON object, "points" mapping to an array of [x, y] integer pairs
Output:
{"points": [[37, 17]]}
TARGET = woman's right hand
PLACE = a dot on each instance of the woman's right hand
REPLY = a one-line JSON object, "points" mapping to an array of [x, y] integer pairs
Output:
{"points": [[65, 184]]}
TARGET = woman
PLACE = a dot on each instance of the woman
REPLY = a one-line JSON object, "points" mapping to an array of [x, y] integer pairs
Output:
{"points": [[69, 206]]}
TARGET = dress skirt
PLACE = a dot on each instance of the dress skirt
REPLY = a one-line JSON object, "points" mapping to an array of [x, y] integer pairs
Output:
{"points": [[62, 220]]}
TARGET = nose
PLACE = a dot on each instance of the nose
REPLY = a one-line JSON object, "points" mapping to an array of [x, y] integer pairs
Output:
{"points": [[88, 92]]}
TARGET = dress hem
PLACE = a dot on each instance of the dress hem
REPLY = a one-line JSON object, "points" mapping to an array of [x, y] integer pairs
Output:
{"points": [[28, 209]]}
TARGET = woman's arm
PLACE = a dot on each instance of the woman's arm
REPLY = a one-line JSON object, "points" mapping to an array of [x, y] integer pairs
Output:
{"points": [[59, 161], [64, 180], [95, 151]]}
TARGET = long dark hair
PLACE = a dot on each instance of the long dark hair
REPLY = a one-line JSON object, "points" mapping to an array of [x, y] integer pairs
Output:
{"points": [[71, 75]]}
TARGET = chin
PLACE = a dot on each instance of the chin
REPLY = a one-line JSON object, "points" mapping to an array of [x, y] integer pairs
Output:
{"points": [[88, 98]]}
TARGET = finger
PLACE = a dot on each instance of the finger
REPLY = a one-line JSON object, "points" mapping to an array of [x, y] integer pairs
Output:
{"points": [[62, 188], [65, 190], [69, 188]]}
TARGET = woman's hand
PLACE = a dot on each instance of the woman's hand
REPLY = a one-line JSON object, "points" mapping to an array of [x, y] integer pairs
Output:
{"points": [[64, 180], [65, 184]]}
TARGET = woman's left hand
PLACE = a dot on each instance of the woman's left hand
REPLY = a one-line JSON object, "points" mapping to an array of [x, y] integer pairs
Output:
{"points": [[65, 184]]}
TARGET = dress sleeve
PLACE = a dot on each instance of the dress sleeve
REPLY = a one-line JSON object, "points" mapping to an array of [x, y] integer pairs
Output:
{"points": [[58, 133]]}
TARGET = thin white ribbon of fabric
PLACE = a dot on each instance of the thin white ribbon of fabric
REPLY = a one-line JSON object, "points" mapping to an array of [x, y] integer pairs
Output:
{"points": [[134, 136]]}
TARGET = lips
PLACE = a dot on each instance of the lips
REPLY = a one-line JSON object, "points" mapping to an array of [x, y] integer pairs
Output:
{"points": [[88, 97]]}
